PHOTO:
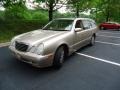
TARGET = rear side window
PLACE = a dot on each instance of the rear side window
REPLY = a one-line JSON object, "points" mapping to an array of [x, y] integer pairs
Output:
{"points": [[86, 24], [93, 24], [89, 24]]}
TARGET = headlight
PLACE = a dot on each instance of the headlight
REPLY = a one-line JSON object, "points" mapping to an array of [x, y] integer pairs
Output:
{"points": [[37, 49]]}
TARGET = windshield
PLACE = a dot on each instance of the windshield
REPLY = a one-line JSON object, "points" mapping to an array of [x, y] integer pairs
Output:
{"points": [[59, 25], [112, 23]]}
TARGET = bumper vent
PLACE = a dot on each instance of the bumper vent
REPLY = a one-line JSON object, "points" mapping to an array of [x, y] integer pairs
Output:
{"points": [[21, 46]]}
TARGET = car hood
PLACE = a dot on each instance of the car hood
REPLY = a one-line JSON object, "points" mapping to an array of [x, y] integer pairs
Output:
{"points": [[38, 36]]}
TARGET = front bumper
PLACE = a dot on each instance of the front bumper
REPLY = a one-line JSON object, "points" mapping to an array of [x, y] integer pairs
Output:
{"points": [[33, 59]]}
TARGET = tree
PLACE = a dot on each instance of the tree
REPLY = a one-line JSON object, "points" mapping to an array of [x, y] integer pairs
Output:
{"points": [[14, 9], [80, 5], [51, 6], [108, 8]]}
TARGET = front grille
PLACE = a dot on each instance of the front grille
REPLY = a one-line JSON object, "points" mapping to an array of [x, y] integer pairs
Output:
{"points": [[21, 46]]}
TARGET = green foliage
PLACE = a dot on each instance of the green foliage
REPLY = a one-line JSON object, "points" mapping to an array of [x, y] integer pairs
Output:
{"points": [[64, 15], [11, 3], [51, 6], [39, 15], [1, 16], [79, 6], [17, 12], [18, 20], [109, 9]]}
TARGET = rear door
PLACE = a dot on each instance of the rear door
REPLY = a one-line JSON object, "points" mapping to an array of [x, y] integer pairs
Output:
{"points": [[87, 31]]}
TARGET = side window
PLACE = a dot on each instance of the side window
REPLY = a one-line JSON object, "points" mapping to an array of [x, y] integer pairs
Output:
{"points": [[78, 24], [86, 24], [93, 24]]}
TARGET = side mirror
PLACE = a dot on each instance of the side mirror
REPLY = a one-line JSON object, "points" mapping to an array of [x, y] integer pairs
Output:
{"points": [[78, 29]]}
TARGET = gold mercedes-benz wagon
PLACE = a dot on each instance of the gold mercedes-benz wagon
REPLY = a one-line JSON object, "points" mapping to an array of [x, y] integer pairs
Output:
{"points": [[50, 45]]}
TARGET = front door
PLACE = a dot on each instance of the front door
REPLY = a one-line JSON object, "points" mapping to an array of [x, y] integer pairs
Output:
{"points": [[83, 36]]}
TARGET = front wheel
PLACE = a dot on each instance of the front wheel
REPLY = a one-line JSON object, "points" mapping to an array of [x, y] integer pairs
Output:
{"points": [[59, 57], [118, 29]]}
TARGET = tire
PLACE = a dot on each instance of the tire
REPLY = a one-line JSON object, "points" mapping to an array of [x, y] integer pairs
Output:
{"points": [[118, 29], [59, 58], [101, 28], [92, 41]]}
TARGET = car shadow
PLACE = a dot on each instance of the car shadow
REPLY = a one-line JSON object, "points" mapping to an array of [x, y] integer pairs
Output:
{"points": [[84, 48]]}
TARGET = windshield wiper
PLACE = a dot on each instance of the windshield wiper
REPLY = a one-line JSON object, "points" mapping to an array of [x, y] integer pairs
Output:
{"points": [[55, 30]]}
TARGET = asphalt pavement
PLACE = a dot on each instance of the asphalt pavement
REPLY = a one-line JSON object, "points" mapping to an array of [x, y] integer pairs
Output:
{"points": [[90, 68]]}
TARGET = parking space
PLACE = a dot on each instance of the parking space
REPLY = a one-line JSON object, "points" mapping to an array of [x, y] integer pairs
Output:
{"points": [[112, 36], [105, 48], [109, 36], [115, 35], [90, 68], [104, 51]]}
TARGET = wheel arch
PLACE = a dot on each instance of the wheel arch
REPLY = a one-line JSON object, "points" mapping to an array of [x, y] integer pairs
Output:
{"points": [[94, 34], [66, 48]]}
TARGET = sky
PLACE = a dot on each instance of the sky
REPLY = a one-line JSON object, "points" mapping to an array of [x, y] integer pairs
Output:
{"points": [[1, 8]]}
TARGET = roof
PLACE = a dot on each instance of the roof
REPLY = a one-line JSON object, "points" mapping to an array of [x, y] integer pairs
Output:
{"points": [[74, 18]]}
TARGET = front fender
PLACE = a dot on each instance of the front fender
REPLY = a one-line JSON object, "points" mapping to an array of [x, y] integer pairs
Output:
{"points": [[51, 45]]}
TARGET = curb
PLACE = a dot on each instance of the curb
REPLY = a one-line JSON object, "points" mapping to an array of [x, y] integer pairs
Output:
{"points": [[4, 44]]}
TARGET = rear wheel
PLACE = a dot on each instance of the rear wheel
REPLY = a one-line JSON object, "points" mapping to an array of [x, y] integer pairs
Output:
{"points": [[59, 57], [103, 28], [92, 41]]}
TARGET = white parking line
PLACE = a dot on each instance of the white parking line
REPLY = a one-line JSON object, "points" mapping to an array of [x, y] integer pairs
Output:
{"points": [[108, 43], [99, 59], [108, 36], [110, 33]]}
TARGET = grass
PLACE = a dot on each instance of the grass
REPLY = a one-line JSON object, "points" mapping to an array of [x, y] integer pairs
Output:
{"points": [[6, 36]]}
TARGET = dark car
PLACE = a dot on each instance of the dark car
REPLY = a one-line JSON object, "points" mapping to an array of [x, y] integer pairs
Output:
{"points": [[109, 25]]}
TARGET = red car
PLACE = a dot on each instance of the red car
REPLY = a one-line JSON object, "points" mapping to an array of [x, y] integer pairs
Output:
{"points": [[109, 25]]}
